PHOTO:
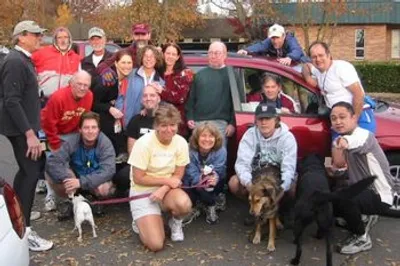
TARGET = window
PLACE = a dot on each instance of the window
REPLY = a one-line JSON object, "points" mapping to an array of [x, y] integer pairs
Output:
{"points": [[395, 43], [359, 44]]}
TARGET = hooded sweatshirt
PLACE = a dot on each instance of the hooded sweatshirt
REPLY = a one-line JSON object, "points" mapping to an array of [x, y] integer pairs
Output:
{"points": [[256, 151], [54, 68]]}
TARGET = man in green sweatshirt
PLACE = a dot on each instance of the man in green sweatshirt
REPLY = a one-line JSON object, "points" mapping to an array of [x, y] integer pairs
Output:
{"points": [[210, 96]]}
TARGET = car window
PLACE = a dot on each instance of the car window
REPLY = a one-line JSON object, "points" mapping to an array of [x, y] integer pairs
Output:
{"points": [[109, 47], [249, 85]]}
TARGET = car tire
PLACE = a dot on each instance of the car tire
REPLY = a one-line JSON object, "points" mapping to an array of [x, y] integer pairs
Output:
{"points": [[394, 162]]}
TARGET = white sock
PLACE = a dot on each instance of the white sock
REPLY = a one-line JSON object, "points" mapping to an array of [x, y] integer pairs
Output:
{"points": [[50, 191]]}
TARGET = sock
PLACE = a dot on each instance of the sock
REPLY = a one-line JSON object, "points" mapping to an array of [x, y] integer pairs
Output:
{"points": [[50, 191]]}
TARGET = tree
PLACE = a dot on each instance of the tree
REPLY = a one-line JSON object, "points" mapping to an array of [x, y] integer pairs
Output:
{"points": [[64, 16], [11, 12]]}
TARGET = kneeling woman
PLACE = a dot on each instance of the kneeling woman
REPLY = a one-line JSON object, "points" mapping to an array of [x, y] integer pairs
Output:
{"points": [[158, 161]]}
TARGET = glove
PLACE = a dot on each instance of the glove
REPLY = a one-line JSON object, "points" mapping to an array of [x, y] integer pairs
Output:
{"points": [[108, 77]]}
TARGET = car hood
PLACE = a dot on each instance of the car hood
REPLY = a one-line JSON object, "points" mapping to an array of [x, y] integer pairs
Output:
{"points": [[388, 121]]}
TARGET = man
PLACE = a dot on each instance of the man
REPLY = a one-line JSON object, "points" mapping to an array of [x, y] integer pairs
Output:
{"points": [[210, 96], [364, 157], [60, 117], [284, 47], [56, 63], [85, 161], [141, 35], [142, 124], [97, 39], [268, 143], [19, 118], [338, 81]]}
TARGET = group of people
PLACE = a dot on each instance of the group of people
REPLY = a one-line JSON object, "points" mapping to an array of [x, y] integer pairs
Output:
{"points": [[140, 105]]}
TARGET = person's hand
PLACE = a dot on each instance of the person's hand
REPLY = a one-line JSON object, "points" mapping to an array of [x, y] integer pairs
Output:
{"points": [[157, 86], [242, 52], [108, 77], [174, 182], [143, 112], [212, 181], [104, 189], [158, 195], [191, 124], [71, 185], [285, 110], [341, 143], [115, 112], [230, 130], [34, 150], [285, 61]]}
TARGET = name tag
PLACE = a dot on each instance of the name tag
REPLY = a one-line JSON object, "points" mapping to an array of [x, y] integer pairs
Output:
{"points": [[145, 130]]}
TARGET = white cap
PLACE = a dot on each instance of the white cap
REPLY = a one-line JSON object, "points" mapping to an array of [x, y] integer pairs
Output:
{"points": [[28, 26], [276, 30], [95, 31]]}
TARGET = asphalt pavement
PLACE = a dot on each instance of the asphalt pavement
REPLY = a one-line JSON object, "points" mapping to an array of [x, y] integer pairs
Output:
{"points": [[225, 243]]}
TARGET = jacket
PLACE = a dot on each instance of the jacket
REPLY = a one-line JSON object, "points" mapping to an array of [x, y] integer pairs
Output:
{"points": [[194, 169], [291, 48], [87, 63], [283, 100], [19, 99], [132, 49], [58, 162], [256, 151]]}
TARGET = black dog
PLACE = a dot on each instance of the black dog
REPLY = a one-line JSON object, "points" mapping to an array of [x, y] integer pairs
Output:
{"points": [[313, 202]]}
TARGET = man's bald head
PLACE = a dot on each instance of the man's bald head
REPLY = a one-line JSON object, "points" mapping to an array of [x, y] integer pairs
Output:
{"points": [[217, 53]]}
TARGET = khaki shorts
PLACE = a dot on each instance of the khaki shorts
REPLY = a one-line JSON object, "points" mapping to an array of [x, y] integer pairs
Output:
{"points": [[144, 206]]}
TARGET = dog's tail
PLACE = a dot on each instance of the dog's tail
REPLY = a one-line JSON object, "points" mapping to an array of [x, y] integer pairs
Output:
{"points": [[345, 193]]}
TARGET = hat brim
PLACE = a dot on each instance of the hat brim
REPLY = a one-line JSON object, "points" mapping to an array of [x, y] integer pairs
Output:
{"points": [[266, 116], [96, 35], [143, 31], [275, 34]]}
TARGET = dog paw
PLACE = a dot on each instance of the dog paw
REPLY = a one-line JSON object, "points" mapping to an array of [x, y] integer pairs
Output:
{"points": [[79, 239], [271, 247], [256, 240], [294, 261], [94, 236]]}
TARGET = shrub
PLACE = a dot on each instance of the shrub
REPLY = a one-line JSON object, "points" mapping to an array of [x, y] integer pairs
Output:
{"points": [[379, 77]]}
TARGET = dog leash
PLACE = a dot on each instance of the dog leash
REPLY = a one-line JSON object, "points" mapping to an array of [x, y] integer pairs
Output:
{"points": [[202, 184]]}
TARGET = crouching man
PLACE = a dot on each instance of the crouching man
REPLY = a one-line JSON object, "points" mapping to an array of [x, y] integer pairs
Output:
{"points": [[84, 162]]}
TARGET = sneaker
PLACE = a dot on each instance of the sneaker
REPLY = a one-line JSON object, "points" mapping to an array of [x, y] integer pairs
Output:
{"points": [[176, 229], [193, 215], [355, 244], [65, 210], [41, 187], [36, 243], [49, 203], [35, 215], [135, 228], [121, 158], [211, 215], [220, 202], [340, 222]]}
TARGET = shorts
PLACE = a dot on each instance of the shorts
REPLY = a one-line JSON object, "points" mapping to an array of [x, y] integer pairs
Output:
{"points": [[366, 121], [144, 206]]}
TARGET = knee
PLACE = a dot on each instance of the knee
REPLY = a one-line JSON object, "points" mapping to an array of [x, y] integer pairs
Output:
{"points": [[154, 244], [184, 205], [234, 185]]}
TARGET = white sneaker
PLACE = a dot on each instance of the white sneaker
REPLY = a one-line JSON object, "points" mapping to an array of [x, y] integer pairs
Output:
{"points": [[176, 229], [49, 204], [35, 215], [135, 228], [36, 243], [41, 187], [356, 244]]}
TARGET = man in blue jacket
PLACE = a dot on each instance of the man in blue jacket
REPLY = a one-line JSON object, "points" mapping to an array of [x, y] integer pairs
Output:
{"points": [[284, 47]]}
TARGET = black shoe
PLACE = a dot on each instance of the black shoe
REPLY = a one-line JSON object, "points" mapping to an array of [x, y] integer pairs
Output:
{"points": [[249, 220], [64, 210]]}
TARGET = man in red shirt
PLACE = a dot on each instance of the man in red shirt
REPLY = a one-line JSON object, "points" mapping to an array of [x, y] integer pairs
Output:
{"points": [[62, 112]]}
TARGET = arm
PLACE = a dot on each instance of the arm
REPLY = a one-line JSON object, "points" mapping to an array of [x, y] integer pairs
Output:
{"points": [[57, 164], [306, 71], [178, 91], [191, 100], [99, 92], [259, 47], [50, 115], [106, 171], [295, 51], [245, 156], [220, 163], [358, 98], [289, 159], [357, 141], [131, 142], [192, 171]]}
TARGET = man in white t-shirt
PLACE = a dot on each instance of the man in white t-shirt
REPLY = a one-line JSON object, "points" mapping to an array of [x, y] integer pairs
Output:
{"points": [[338, 81], [97, 39]]}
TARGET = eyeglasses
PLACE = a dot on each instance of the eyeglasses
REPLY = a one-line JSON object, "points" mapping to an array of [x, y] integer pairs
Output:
{"points": [[215, 53], [78, 84]]}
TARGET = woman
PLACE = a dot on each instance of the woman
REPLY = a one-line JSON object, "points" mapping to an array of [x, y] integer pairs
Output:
{"points": [[158, 161], [206, 152], [271, 91], [105, 98], [148, 73], [178, 79]]}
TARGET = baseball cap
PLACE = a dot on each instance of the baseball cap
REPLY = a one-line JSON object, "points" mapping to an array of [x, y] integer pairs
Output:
{"points": [[265, 110], [29, 26], [141, 28], [276, 30], [95, 31]]}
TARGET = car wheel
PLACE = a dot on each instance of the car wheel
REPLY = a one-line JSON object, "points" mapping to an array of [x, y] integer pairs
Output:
{"points": [[394, 162]]}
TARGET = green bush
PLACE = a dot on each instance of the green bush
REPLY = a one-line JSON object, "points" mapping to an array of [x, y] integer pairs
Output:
{"points": [[379, 77]]}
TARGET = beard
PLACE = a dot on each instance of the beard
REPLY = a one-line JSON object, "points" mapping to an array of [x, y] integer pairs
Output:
{"points": [[142, 43]]}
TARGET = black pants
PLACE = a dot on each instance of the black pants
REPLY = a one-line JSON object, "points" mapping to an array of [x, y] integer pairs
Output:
{"points": [[122, 179], [118, 140], [206, 197], [27, 176], [367, 202]]}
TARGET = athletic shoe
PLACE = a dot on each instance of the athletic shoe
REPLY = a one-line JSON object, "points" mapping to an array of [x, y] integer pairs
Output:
{"points": [[193, 215], [355, 244], [49, 203], [135, 228], [41, 187], [176, 229], [220, 202], [36, 243], [211, 215], [35, 215]]}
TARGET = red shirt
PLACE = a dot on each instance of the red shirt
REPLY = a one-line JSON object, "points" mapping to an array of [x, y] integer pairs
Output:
{"points": [[62, 113]]}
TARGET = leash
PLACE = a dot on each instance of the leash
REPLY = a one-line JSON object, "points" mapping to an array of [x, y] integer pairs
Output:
{"points": [[202, 184]]}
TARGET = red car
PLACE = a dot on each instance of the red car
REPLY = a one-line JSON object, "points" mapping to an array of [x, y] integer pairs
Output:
{"points": [[311, 130]]}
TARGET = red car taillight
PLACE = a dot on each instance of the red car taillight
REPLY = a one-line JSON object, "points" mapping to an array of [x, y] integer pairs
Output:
{"points": [[14, 208]]}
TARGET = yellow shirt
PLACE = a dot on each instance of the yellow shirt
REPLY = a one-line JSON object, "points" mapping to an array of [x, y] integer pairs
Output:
{"points": [[157, 159]]}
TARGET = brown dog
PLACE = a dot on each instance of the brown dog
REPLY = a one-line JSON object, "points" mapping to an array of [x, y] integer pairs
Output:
{"points": [[263, 195]]}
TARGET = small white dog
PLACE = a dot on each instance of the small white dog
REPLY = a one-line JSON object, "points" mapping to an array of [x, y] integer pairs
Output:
{"points": [[82, 212]]}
